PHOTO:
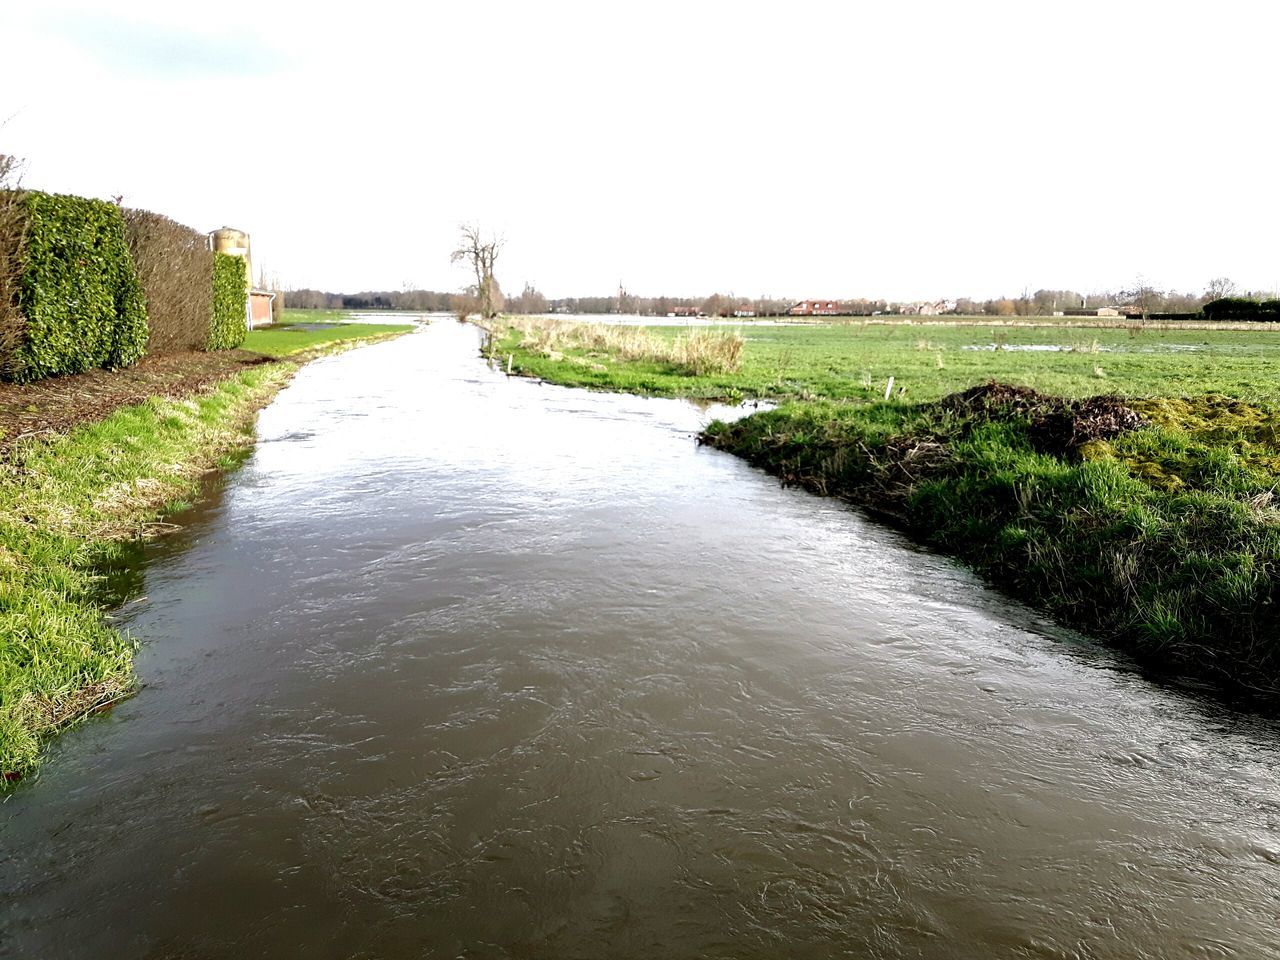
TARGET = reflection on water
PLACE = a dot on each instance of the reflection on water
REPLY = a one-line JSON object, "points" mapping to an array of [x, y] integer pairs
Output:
{"points": [[466, 666]]}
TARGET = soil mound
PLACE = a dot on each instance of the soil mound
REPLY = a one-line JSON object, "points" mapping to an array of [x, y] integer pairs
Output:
{"points": [[1055, 425]]}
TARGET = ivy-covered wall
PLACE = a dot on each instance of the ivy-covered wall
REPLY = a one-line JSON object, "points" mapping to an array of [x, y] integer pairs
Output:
{"points": [[229, 297], [79, 298]]}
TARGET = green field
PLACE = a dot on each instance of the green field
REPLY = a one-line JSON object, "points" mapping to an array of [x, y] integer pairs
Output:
{"points": [[1151, 521], [287, 339], [855, 361]]}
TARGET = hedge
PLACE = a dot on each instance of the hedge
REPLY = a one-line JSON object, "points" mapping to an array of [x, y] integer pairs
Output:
{"points": [[79, 302], [1241, 308], [175, 266], [230, 296]]}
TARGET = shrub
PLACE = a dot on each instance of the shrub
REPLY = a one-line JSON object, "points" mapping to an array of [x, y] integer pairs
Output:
{"points": [[79, 298], [228, 329], [175, 267]]}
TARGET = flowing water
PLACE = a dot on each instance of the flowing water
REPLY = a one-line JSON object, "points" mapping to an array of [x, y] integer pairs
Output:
{"points": [[466, 666]]}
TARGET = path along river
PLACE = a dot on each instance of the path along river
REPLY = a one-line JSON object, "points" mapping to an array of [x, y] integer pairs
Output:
{"points": [[466, 666]]}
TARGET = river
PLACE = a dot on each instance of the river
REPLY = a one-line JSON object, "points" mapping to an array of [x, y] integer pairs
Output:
{"points": [[458, 665]]}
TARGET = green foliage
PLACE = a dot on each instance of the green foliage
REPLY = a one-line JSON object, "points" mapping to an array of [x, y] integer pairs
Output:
{"points": [[79, 297], [230, 294], [1241, 308]]}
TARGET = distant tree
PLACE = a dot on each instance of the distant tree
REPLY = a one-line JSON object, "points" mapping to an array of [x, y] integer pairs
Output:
{"points": [[1218, 288], [480, 255], [1141, 297]]}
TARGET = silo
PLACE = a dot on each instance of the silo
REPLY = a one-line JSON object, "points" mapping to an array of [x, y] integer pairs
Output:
{"points": [[236, 243]]}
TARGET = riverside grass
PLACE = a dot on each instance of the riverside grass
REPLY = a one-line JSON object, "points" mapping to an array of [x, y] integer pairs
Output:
{"points": [[67, 506], [1164, 540], [853, 361]]}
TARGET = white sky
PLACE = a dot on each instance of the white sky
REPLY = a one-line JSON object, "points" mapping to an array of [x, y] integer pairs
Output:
{"points": [[900, 150]]}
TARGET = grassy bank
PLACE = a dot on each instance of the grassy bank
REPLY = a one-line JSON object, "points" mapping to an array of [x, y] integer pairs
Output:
{"points": [[70, 501], [1164, 539], [287, 340], [1151, 522], [66, 506]]}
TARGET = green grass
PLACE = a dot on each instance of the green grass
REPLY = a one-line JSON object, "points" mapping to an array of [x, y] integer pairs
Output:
{"points": [[284, 341], [67, 508], [854, 361]]}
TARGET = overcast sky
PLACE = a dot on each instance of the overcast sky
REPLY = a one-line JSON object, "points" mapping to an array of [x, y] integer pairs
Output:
{"points": [[902, 150]]}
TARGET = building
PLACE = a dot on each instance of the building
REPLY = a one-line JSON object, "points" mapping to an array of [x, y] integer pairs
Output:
{"points": [[818, 308]]}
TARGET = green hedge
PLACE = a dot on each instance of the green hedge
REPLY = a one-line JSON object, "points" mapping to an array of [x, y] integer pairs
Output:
{"points": [[80, 301], [1241, 308], [229, 298]]}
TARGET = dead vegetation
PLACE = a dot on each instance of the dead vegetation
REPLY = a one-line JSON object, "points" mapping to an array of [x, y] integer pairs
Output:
{"points": [[698, 352]]}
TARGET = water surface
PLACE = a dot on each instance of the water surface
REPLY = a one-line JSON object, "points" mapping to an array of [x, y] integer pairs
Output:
{"points": [[466, 666]]}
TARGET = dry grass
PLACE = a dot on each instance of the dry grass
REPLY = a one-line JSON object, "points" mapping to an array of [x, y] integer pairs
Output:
{"points": [[696, 353]]}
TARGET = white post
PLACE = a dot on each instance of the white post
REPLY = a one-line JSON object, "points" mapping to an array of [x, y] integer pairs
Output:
{"points": [[888, 388]]}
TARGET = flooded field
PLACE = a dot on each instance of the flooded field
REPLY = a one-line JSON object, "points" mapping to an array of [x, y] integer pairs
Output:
{"points": [[466, 666]]}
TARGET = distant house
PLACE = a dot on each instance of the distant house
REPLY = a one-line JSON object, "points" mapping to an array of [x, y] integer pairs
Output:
{"points": [[927, 308], [818, 308]]}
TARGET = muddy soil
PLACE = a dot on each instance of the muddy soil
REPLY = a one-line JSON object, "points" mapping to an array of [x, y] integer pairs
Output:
{"points": [[58, 404]]}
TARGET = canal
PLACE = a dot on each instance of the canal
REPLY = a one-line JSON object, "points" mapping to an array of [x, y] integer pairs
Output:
{"points": [[458, 665]]}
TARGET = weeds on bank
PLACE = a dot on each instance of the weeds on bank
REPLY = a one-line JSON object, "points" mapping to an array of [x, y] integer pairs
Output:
{"points": [[66, 507], [695, 353]]}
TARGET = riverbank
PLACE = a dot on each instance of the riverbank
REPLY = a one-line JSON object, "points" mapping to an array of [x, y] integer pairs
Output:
{"points": [[1151, 523], [101, 470]]}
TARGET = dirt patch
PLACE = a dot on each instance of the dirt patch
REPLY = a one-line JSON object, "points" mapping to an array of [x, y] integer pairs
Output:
{"points": [[58, 404], [1055, 425]]}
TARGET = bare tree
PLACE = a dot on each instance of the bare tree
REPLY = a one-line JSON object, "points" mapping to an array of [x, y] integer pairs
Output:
{"points": [[480, 255], [1141, 297], [1219, 287]]}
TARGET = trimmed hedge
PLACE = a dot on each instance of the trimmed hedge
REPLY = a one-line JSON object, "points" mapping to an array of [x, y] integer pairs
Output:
{"points": [[79, 298], [1241, 308], [175, 266], [230, 294]]}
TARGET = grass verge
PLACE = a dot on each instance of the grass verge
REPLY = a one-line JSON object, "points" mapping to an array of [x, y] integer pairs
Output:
{"points": [[67, 505], [288, 340]]}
